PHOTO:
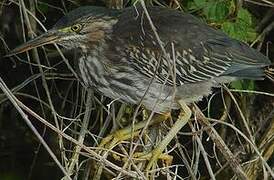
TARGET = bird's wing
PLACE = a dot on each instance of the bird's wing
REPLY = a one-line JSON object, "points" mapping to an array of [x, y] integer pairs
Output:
{"points": [[178, 65], [194, 51]]}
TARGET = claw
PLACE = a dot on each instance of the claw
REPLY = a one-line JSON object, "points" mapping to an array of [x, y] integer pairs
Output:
{"points": [[113, 139], [126, 133], [153, 158]]}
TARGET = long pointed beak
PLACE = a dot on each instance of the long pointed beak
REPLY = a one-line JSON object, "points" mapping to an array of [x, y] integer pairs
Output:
{"points": [[46, 38]]}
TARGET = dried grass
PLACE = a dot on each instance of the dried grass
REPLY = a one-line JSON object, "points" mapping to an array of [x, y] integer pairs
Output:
{"points": [[208, 148]]}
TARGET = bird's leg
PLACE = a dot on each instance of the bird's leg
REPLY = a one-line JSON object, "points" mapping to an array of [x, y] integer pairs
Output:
{"points": [[113, 139], [126, 133], [156, 154]]}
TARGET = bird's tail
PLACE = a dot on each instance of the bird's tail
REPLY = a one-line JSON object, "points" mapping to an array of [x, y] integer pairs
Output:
{"points": [[269, 72]]}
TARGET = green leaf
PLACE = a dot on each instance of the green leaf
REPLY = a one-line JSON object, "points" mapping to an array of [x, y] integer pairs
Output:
{"points": [[216, 11], [228, 28], [244, 17], [236, 85], [243, 85], [200, 3], [235, 30], [242, 28], [192, 6]]}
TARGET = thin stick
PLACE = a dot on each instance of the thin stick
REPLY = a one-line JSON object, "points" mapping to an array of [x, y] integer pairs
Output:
{"points": [[13, 100], [69, 138], [200, 144], [234, 164], [82, 134]]}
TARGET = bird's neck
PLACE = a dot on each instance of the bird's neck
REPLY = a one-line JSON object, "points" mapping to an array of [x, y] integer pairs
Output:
{"points": [[99, 31], [92, 68]]}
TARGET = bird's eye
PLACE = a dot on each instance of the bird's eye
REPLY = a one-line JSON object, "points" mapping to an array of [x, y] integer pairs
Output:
{"points": [[76, 27]]}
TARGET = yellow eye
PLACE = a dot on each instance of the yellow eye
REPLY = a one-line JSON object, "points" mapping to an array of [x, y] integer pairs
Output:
{"points": [[76, 27]]}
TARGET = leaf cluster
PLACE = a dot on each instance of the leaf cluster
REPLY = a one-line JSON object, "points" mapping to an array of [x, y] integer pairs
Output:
{"points": [[236, 22]]}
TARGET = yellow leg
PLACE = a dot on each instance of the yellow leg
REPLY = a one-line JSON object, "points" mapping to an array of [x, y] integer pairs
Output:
{"points": [[113, 139], [155, 154], [144, 156], [126, 133], [152, 157]]}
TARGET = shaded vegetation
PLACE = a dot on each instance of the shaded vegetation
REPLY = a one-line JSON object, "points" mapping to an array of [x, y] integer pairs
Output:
{"points": [[241, 113]]}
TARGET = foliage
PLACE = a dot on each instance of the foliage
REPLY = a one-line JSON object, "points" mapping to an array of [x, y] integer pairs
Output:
{"points": [[68, 98], [243, 85], [242, 28], [237, 24]]}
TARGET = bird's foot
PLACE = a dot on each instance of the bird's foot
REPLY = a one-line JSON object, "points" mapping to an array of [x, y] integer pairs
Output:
{"points": [[108, 143], [152, 158], [157, 153], [116, 137], [129, 132]]}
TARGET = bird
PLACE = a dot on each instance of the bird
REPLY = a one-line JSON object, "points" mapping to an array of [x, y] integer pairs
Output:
{"points": [[161, 58]]}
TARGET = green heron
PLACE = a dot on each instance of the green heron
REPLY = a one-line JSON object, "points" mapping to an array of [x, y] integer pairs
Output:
{"points": [[166, 66]]}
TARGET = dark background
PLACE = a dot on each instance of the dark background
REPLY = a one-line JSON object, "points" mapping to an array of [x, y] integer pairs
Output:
{"points": [[21, 154]]}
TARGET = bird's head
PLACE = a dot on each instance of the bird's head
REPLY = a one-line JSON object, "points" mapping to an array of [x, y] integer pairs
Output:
{"points": [[80, 28]]}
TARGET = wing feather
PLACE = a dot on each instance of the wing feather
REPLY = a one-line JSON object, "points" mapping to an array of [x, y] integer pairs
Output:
{"points": [[201, 52]]}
